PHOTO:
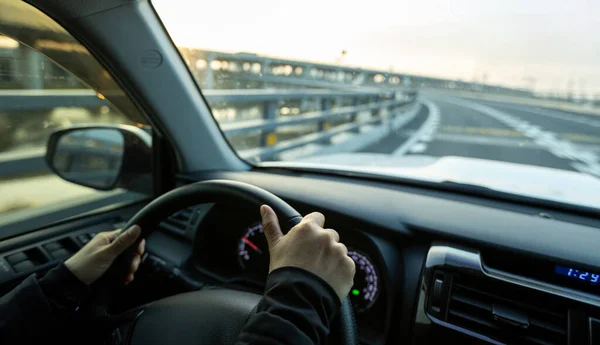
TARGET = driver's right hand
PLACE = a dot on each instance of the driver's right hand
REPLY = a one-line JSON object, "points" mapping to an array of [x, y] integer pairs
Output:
{"points": [[311, 247]]}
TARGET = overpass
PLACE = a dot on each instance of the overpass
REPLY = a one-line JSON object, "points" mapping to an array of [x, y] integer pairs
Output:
{"points": [[223, 70]]}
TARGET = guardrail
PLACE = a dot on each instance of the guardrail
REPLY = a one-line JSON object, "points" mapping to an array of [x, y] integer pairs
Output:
{"points": [[351, 110], [48, 99]]}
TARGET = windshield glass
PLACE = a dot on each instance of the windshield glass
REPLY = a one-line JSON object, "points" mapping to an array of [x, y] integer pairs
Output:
{"points": [[499, 94]]}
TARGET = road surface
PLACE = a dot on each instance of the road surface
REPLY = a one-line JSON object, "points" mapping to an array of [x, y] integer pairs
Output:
{"points": [[498, 131]]}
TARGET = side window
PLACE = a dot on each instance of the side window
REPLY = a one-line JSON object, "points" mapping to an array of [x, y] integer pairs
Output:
{"points": [[37, 96]]}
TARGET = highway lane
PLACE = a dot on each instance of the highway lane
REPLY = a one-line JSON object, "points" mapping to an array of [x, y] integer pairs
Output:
{"points": [[391, 142], [569, 126], [479, 130]]}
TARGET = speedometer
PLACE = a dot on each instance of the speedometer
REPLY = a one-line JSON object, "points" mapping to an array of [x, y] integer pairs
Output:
{"points": [[253, 251], [365, 290]]}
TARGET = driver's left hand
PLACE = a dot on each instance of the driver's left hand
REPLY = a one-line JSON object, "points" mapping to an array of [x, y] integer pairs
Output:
{"points": [[91, 261]]}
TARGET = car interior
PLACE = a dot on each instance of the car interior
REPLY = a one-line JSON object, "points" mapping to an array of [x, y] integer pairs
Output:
{"points": [[436, 263]]}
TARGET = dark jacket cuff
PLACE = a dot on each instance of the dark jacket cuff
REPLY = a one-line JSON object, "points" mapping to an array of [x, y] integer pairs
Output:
{"points": [[297, 308], [63, 289], [305, 291], [307, 282]]}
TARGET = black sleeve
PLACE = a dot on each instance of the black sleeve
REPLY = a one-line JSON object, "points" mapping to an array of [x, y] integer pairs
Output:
{"points": [[297, 308], [33, 308]]}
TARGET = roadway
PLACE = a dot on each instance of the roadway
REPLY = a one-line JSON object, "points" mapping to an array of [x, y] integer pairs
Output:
{"points": [[498, 131]]}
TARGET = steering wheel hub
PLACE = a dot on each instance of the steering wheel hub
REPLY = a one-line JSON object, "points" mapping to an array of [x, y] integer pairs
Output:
{"points": [[211, 316]]}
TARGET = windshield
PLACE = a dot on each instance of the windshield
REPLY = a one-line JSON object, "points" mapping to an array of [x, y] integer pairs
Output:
{"points": [[499, 94]]}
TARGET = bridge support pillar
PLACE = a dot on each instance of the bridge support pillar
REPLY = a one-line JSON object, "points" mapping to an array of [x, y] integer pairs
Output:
{"points": [[326, 105], [269, 138], [305, 103], [355, 117], [208, 82], [265, 67], [376, 113]]}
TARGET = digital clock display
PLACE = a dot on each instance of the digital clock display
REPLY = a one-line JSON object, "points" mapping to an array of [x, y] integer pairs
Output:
{"points": [[583, 275]]}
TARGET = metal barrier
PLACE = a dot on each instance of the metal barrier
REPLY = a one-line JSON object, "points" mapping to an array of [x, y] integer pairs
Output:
{"points": [[349, 104]]}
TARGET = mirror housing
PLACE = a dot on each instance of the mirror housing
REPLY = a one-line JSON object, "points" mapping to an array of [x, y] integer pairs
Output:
{"points": [[103, 157]]}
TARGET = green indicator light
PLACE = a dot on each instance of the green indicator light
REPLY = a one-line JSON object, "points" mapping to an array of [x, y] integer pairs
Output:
{"points": [[355, 292]]}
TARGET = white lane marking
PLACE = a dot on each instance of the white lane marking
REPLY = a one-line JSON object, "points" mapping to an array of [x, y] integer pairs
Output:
{"points": [[557, 115], [585, 161], [418, 148], [486, 140], [495, 141], [425, 133]]}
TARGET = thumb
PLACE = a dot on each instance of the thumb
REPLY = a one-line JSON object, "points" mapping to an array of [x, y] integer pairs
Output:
{"points": [[125, 240], [270, 225]]}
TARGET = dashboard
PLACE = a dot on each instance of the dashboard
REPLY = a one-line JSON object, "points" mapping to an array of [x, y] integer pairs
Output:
{"points": [[231, 247], [432, 266]]}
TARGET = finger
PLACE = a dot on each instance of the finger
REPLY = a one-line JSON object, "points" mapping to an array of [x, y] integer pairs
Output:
{"points": [[342, 247], [141, 247], [352, 266], [112, 235], [334, 234], [103, 238], [270, 225], [316, 217], [135, 264], [129, 278], [124, 240]]}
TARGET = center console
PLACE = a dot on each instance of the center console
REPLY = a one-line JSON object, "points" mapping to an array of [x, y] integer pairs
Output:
{"points": [[470, 296]]}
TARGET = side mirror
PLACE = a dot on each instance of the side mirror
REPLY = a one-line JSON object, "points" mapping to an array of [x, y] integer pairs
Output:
{"points": [[102, 157]]}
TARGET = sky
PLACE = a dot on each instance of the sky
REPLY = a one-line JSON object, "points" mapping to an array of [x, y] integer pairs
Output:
{"points": [[547, 45]]}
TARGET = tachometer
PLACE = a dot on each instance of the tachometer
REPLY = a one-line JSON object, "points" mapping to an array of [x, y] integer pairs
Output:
{"points": [[253, 251], [366, 282], [253, 256]]}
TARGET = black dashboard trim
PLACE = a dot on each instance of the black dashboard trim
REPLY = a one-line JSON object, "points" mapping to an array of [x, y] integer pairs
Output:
{"points": [[413, 257]]}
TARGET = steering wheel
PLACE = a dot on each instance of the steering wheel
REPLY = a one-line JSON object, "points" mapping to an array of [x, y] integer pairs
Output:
{"points": [[211, 316]]}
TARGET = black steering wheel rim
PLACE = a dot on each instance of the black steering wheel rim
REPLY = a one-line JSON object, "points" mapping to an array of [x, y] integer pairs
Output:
{"points": [[233, 193], [212, 191]]}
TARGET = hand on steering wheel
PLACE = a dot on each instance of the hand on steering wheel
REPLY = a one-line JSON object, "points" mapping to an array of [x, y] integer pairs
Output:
{"points": [[91, 261], [311, 247]]}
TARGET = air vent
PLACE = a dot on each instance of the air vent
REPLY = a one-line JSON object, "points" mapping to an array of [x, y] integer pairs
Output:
{"points": [[509, 315], [180, 221]]}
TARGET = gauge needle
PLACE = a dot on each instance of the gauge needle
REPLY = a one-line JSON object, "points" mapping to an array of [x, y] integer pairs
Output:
{"points": [[252, 245]]}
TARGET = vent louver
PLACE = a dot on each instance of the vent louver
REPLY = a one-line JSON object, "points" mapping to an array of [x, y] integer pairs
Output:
{"points": [[481, 306]]}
